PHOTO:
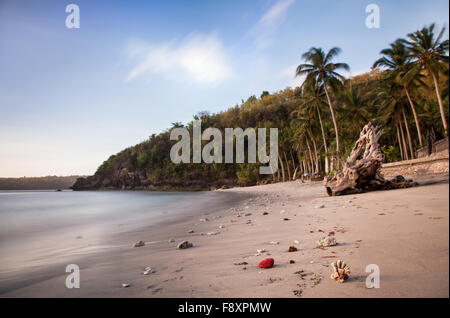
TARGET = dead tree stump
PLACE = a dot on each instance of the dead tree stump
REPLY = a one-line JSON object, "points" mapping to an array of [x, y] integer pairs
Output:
{"points": [[361, 171]]}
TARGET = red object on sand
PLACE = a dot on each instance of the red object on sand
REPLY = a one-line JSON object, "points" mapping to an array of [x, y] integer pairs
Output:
{"points": [[267, 263]]}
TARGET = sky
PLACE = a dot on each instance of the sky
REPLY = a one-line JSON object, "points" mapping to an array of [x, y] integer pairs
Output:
{"points": [[70, 98]]}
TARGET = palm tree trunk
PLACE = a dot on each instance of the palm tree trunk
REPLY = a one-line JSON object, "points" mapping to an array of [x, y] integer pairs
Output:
{"points": [[400, 143], [333, 117], [287, 165], [441, 106], [416, 119], [408, 134], [282, 167], [310, 155], [324, 140], [315, 155], [404, 140]]}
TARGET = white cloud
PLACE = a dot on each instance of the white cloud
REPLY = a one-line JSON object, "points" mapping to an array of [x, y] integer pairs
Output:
{"points": [[266, 26], [288, 74], [199, 57]]}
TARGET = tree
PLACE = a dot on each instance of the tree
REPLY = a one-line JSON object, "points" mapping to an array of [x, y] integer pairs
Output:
{"points": [[398, 61], [429, 53], [320, 68]]}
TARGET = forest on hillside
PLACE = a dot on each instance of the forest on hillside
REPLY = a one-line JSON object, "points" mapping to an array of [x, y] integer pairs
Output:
{"points": [[406, 93], [37, 183]]}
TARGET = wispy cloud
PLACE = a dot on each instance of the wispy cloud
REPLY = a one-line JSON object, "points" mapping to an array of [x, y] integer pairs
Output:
{"points": [[266, 26], [288, 74], [199, 57]]}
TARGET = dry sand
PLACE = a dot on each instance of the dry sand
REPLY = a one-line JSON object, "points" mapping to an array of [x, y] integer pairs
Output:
{"points": [[405, 232]]}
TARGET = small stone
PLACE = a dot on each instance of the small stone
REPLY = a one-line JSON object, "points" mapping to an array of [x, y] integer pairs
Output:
{"points": [[267, 263], [282, 212], [320, 206], [184, 244], [274, 242], [148, 271], [139, 244], [265, 213], [204, 220], [291, 261], [286, 219], [331, 233], [191, 231], [247, 214], [212, 233], [221, 226], [171, 240], [125, 285], [292, 249], [260, 250], [296, 242]]}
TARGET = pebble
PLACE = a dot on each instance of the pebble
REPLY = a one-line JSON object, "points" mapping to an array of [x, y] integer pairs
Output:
{"points": [[274, 242], [139, 244], [125, 285], [171, 240], [212, 233], [320, 206], [296, 242], [149, 270], [184, 245], [204, 220]]}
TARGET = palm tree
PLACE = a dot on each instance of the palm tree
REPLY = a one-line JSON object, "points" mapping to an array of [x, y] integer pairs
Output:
{"points": [[312, 95], [320, 68], [429, 52], [398, 61]]}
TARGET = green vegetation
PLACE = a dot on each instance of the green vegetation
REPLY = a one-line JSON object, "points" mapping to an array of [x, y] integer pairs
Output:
{"points": [[406, 93], [37, 183]]}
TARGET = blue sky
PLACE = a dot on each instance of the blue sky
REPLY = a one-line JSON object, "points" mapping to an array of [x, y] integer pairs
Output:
{"points": [[69, 98]]}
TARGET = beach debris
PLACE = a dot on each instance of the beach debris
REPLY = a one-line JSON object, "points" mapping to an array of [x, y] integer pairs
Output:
{"points": [[247, 214], [241, 263], [125, 285], [282, 212], [79, 237], [221, 226], [292, 249], [274, 242], [265, 213], [148, 271], [331, 233], [260, 250], [249, 221], [204, 220], [291, 261], [232, 221], [171, 240], [341, 271], [139, 244], [267, 263], [326, 241], [184, 244], [320, 206], [319, 230], [315, 280], [286, 219], [212, 233], [296, 242], [298, 292], [191, 231], [361, 171]]}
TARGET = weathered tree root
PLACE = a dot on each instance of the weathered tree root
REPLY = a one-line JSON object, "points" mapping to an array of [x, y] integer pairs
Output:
{"points": [[362, 169]]}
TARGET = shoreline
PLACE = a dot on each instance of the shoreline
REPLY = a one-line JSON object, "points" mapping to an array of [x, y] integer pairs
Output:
{"points": [[404, 231]]}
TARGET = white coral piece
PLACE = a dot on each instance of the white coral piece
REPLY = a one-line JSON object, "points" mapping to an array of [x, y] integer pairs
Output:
{"points": [[326, 241], [341, 271]]}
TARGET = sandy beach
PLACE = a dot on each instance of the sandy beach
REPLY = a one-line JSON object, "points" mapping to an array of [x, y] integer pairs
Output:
{"points": [[405, 232]]}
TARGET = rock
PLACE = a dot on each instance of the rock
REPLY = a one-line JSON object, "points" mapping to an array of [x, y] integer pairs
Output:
{"points": [[139, 244], [184, 244], [221, 226], [125, 285], [326, 241], [286, 219], [267, 263], [212, 233], [241, 263], [320, 206], [296, 242], [171, 240], [191, 231], [331, 233], [274, 242], [204, 220], [291, 261], [247, 214], [292, 249], [260, 250], [265, 213], [282, 212], [148, 271]]}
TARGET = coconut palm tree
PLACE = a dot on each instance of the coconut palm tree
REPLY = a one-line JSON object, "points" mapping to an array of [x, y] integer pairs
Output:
{"points": [[320, 68], [313, 98], [398, 61], [429, 53]]}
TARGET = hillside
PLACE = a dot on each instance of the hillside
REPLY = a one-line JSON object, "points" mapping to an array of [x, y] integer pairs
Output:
{"points": [[37, 183]]}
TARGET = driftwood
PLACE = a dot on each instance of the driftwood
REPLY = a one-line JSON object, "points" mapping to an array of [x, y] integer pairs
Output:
{"points": [[361, 171]]}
